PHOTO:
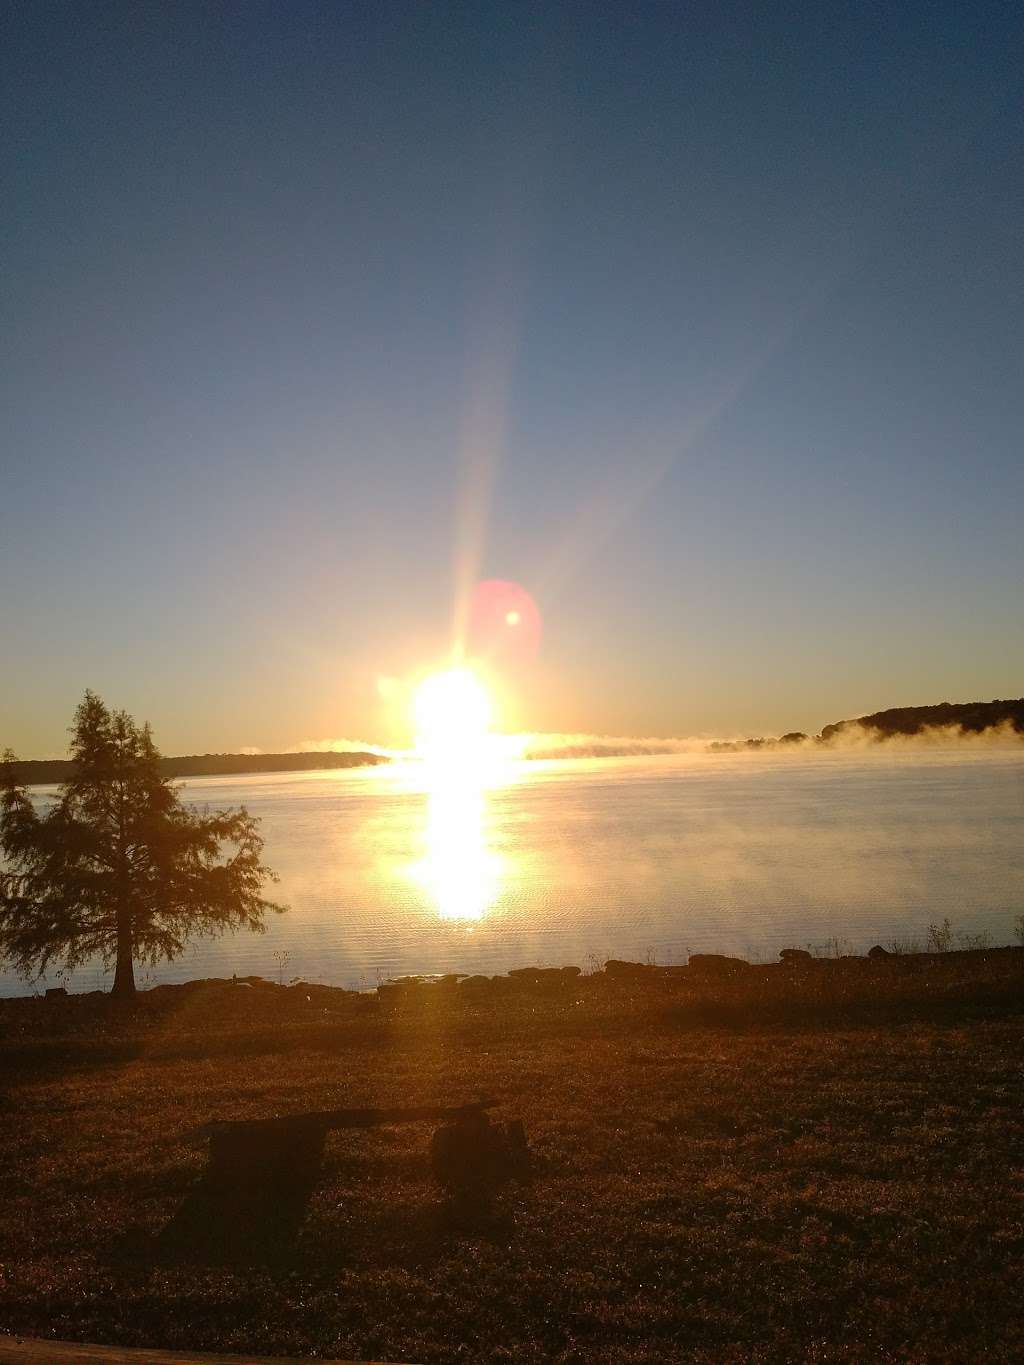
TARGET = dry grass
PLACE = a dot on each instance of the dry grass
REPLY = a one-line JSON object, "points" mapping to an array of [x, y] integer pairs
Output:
{"points": [[714, 1180]]}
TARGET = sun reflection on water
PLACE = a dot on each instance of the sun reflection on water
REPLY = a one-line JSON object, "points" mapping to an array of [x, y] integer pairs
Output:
{"points": [[461, 872], [459, 765]]}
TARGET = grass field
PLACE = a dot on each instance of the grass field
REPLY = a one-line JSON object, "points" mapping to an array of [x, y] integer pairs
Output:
{"points": [[755, 1168]]}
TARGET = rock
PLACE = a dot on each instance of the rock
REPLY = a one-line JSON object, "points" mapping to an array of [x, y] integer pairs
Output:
{"points": [[56, 993], [544, 976], [391, 993], [793, 955], [716, 964], [615, 967], [878, 951]]}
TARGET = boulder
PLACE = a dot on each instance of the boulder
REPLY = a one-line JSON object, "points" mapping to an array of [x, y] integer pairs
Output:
{"points": [[615, 967], [544, 976], [794, 955], [716, 964], [878, 951], [476, 983]]}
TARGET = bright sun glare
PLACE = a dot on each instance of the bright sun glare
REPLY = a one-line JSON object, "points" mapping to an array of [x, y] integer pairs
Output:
{"points": [[453, 714]]}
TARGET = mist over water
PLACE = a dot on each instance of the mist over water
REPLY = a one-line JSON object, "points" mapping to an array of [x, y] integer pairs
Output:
{"points": [[387, 871]]}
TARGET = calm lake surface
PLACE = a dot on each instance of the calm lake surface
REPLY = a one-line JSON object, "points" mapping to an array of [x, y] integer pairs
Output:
{"points": [[393, 870]]}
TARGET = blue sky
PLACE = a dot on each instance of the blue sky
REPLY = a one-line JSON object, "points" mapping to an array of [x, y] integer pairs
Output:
{"points": [[703, 323]]}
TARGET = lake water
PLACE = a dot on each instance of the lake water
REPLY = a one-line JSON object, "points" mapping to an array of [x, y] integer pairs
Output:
{"points": [[389, 870]]}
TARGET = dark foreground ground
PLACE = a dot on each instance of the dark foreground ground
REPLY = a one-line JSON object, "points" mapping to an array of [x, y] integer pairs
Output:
{"points": [[817, 1162]]}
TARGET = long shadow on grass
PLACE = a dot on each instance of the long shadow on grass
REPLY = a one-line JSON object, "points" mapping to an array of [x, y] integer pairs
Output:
{"points": [[361, 1206]]}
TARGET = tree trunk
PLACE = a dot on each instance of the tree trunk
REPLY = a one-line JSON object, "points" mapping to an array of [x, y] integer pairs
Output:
{"points": [[124, 972]]}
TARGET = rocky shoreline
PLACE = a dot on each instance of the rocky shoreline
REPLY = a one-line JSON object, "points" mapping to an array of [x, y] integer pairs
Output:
{"points": [[798, 977]]}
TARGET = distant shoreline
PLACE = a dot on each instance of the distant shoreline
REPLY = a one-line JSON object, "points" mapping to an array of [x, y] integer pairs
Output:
{"points": [[957, 719], [38, 772]]}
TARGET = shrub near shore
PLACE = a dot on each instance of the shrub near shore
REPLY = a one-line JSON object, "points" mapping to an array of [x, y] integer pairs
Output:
{"points": [[814, 1159]]}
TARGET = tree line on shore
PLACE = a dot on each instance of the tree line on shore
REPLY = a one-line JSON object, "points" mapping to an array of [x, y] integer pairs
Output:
{"points": [[34, 772]]}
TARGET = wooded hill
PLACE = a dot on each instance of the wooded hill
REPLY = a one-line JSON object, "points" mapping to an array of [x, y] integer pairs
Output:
{"points": [[51, 770], [970, 717]]}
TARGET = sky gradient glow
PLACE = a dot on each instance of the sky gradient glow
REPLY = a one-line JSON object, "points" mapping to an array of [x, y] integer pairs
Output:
{"points": [[703, 323]]}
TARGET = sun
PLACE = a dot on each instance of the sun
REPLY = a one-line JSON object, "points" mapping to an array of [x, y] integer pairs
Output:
{"points": [[452, 712]]}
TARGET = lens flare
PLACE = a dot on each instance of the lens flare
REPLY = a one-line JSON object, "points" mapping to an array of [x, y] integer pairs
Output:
{"points": [[504, 625]]}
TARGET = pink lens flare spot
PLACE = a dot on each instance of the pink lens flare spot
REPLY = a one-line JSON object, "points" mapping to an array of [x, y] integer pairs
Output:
{"points": [[504, 622]]}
